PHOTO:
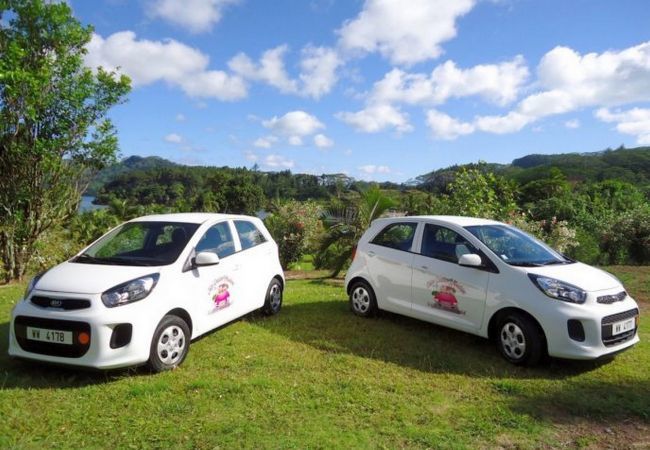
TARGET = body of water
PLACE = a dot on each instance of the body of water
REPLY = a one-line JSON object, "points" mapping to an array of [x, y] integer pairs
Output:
{"points": [[87, 204]]}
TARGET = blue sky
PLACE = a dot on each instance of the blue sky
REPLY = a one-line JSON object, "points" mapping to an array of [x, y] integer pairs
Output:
{"points": [[377, 89]]}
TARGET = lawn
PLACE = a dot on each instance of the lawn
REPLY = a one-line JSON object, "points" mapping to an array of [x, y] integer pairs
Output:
{"points": [[318, 377]]}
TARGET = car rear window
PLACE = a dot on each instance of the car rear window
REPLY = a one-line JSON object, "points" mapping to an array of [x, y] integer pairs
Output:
{"points": [[396, 235], [249, 235]]}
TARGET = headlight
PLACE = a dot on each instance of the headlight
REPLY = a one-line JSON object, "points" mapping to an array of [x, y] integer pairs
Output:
{"points": [[131, 291], [32, 285], [558, 289]]}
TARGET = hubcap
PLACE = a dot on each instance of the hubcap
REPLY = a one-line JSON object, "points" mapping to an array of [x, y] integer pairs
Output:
{"points": [[360, 300], [513, 341], [171, 345], [275, 296]]}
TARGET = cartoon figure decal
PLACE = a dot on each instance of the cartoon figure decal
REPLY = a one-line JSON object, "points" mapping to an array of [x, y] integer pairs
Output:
{"points": [[219, 293], [443, 292]]}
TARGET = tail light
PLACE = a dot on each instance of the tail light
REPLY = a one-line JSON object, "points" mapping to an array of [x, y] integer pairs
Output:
{"points": [[354, 252]]}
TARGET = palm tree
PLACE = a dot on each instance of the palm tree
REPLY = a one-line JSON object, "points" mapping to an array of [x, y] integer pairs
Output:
{"points": [[345, 226]]}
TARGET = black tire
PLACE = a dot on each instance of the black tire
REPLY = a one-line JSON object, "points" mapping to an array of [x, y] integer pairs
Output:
{"points": [[363, 301], [170, 344], [520, 340], [273, 299]]}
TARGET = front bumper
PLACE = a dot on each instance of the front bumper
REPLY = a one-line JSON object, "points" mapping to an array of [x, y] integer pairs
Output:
{"points": [[107, 329], [586, 331]]}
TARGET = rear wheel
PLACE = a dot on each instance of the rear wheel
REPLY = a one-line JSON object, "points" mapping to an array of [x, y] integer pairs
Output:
{"points": [[273, 300], [170, 344], [520, 340], [362, 299]]}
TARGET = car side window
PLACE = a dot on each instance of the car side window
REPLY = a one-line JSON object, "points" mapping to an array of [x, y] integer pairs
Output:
{"points": [[249, 235], [445, 244], [217, 239], [396, 235]]}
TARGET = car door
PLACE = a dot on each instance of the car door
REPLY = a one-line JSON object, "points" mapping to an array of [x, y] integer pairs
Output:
{"points": [[215, 293], [253, 259], [443, 291], [389, 263]]}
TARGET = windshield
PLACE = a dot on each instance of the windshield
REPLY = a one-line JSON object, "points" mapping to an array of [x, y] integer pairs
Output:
{"points": [[140, 244], [516, 247]]}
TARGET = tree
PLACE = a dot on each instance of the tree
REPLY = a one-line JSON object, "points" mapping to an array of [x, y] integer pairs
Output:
{"points": [[53, 127], [345, 227]]}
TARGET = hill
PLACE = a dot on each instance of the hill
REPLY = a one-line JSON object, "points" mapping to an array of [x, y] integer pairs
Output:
{"points": [[126, 165], [630, 165]]}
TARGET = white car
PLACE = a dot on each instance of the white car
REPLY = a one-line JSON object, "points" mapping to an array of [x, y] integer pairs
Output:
{"points": [[144, 290], [493, 280]]}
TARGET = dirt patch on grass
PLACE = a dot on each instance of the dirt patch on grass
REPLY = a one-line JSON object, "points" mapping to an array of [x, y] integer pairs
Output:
{"points": [[628, 434]]}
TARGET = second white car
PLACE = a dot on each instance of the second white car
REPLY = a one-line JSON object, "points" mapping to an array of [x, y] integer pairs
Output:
{"points": [[491, 279]]}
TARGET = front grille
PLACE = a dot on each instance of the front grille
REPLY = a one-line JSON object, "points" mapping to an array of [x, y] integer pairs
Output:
{"points": [[609, 299], [74, 350], [67, 304], [606, 327]]}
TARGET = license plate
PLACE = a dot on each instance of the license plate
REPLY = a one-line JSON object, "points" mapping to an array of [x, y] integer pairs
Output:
{"points": [[623, 326], [45, 335]]}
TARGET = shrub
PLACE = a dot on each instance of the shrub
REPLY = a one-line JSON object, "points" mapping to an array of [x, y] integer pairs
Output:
{"points": [[295, 226]]}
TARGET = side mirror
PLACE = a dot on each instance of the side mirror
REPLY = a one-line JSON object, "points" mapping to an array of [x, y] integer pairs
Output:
{"points": [[470, 260], [206, 259]]}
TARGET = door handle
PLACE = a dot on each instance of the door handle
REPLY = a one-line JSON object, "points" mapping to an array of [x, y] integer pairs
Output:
{"points": [[424, 267], [371, 253], [236, 267]]}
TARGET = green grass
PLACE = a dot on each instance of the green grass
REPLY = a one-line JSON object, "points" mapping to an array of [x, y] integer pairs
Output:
{"points": [[318, 377]]}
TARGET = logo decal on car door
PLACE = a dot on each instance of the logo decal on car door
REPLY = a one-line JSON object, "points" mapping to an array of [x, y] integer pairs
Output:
{"points": [[219, 293], [443, 291]]}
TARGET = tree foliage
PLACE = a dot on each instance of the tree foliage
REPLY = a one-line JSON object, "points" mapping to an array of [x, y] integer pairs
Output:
{"points": [[53, 126]]}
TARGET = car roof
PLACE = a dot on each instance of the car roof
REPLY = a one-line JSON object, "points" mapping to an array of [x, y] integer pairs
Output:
{"points": [[194, 217], [460, 221]]}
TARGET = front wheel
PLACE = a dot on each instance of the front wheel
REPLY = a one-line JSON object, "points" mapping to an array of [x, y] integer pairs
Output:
{"points": [[520, 340], [273, 300], [170, 344]]}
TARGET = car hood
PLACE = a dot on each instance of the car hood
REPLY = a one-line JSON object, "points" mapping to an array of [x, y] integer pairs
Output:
{"points": [[81, 278], [581, 275]]}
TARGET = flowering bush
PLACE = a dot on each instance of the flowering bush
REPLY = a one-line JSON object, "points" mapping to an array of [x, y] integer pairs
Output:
{"points": [[295, 226]]}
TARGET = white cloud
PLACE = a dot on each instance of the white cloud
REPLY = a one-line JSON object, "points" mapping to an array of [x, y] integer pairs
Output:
{"points": [[318, 70], [635, 122], [497, 83], [215, 84], [509, 123], [270, 69], [250, 156], [446, 127], [370, 169], [375, 118], [322, 141], [317, 75], [294, 123], [295, 140], [143, 60], [275, 161], [195, 15], [403, 33], [180, 117], [265, 142], [170, 61], [571, 81], [572, 124], [174, 138]]}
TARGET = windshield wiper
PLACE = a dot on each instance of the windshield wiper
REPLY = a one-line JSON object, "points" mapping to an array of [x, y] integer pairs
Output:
{"points": [[525, 264], [553, 262], [86, 258]]}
